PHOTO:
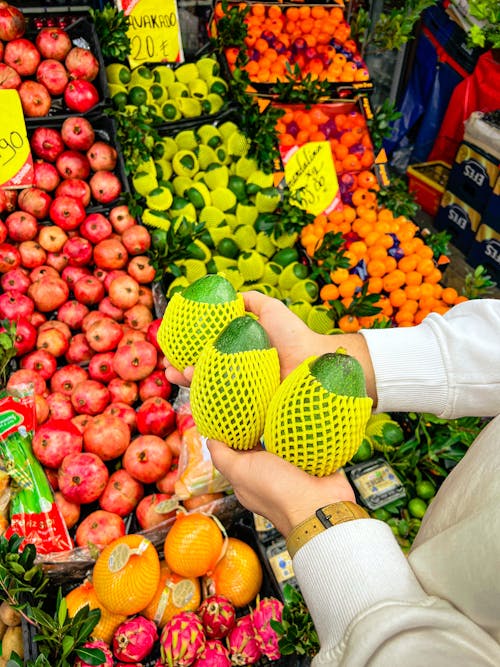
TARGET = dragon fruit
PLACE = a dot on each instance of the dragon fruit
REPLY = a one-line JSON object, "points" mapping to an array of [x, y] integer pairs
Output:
{"points": [[267, 639], [97, 643], [242, 644], [217, 615], [182, 639], [134, 639], [214, 654]]}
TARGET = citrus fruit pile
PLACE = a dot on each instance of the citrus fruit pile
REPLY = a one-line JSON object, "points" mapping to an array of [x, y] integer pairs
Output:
{"points": [[341, 124], [205, 177], [189, 90], [387, 254], [315, 38]]}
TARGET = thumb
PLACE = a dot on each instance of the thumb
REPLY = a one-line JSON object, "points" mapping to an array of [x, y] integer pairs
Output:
{"points": [[255, 301], [222, 455]]}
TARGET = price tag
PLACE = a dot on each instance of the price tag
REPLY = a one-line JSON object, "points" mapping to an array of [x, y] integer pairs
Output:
{"points": [[154, 31], [16, 162], [311, 177]]}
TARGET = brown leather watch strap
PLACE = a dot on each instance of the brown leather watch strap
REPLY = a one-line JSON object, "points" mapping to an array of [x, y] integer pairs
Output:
{"points": [[324, 518]]}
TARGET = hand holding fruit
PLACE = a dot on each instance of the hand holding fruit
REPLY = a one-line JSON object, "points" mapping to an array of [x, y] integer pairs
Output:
{"points": [[270, 486]]}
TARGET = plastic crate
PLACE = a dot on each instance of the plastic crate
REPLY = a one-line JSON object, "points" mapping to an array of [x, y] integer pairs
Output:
{"points": [[82, 33], [427, 181], [473, 175], [485, 250], [458, 218]]}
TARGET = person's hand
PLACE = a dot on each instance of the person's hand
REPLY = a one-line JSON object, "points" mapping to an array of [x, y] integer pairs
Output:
{"points": [[174, 376], [293, 339], [268, 485]]}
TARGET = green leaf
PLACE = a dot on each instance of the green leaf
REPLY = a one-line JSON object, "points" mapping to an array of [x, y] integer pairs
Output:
{"points": [[92, 656], [68, 644]]}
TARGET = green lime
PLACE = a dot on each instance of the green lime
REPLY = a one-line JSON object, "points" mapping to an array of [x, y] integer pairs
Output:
{"points": [[228, 248], [237, 185], [364, 451], [392, 433], [381, 514], [120, 99], [137, 95], [425, 490], [142, 76], [170, 111], [118, 73], [156, 91], [417, 507]]}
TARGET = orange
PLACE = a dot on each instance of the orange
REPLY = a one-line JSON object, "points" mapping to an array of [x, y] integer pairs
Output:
{"points": [[403, 317], [420, 315], [329, 292], [339, 275], [393, 280], [126, 574], [348, 287], [84, 594], [238, 575], [397, 297], [449, 295], [193, 544], [349, 324], [173, 595], [376, 268]]}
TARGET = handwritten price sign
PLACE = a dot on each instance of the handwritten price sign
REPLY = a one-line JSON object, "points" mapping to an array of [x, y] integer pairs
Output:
{"points": [[16, 163], [311, 177], [154, 31]]}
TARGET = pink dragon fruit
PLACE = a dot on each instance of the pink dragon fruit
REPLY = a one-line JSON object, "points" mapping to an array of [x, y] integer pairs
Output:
{"points": [[97, 643], [133, 640], [217, 615], [214, 654], [242, 644], [182, 639], [267, 639]]}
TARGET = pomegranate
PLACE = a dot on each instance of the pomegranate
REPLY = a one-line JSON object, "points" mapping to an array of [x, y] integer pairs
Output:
{"points": [[110, 254], [123, 391], [88, 290], [70, 511], [82, 477], [47, 143], [104, 334], [90, 397], [156, 416], [35, 201], [124, 411], [15, 280], [102, 156], [52, 340], [136, 239], [107, 436], [35, 99], [60, 407], [32, 254], [48, 293], [77, 133], [72, 313], [78, 250], [122, 493], [81, 64], [97, 530], [101, 367], [105, 186], [9, 78], [121, 218], [67, 212], [108, 309], [123, 291], [10, 257], [155, 384], [80, 95], [24, 376], [21, 226], [25, 337], [53, 43], [73, 164], [53, 76], [136, 361], [12, 22], [141, 269], [22, 55], [54, 440], [147, 458], [66, 378], [41, 361], [14, 305], [96, 227], [45, 176], [155, 508]]}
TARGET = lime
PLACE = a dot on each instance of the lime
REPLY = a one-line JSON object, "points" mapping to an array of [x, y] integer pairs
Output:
{"points": [[246, 213], [198, 88], [364, 451], [320, 319], [142, 76], [120, 99], [217, 85], [209, 132], [186, 140], [170, 111], [381, 514], [137, 95], [206, 155], [417, 507], [227, 128], [177, 89], [118, 73], [211, 217], [163, 74], [186, 72], [207, 67], [157, 92], [181, 185], [245, 166], [228, 248], [237, 144], [237, 185], [223, 198], [425, 489], [190, 107], [212, 103], [301, 309]]}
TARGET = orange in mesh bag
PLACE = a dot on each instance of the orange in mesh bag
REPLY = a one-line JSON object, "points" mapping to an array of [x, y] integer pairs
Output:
{"points": [[317, 418], [197, 316]]}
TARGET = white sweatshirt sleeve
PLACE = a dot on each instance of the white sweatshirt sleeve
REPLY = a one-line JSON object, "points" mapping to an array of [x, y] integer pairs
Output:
{"points": [[369, 609], [368, 606], [449, 365]]}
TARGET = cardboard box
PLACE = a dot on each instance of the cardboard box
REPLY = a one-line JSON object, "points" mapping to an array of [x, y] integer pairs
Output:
{"points": [[427, 181], [459, 219], [485, 250], [473, 175]]}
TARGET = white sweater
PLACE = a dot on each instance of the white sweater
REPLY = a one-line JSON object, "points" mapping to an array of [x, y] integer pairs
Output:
{"points": [[441, 605]]}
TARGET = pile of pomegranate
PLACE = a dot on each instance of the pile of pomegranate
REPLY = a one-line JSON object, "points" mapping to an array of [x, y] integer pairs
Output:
{"points": [[46, 66]]}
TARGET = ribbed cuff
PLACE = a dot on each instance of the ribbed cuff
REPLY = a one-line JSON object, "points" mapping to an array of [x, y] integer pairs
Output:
{"points": [[349, 568], [409, 369]]}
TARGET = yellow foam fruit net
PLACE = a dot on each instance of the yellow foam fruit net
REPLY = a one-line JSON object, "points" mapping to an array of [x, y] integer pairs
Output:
{"points": [[187, 326], [312, 428], [230, 393]]}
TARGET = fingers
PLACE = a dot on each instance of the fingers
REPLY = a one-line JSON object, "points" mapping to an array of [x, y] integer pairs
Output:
{"points": [[255, 301], [182, 379]]}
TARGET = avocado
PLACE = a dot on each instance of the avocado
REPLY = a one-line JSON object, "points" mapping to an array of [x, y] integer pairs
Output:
{"points": [[212, 288], [340, 374], [242, 335]]}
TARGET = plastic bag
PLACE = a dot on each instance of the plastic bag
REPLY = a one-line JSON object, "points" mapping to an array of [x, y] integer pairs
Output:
{"points": [[33, 511], [197, 474]]}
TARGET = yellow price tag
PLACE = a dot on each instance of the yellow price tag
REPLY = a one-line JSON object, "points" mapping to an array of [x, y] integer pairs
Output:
{"points": [[154, 31], [311, 177], [16, 163]]}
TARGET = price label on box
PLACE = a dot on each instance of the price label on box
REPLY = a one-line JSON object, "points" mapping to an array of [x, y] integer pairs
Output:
{"points": [[154, 31], [311, 177], [16, 162]]}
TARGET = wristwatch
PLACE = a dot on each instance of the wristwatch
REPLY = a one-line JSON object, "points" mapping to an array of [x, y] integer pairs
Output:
{"points": [[324, 518]]}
